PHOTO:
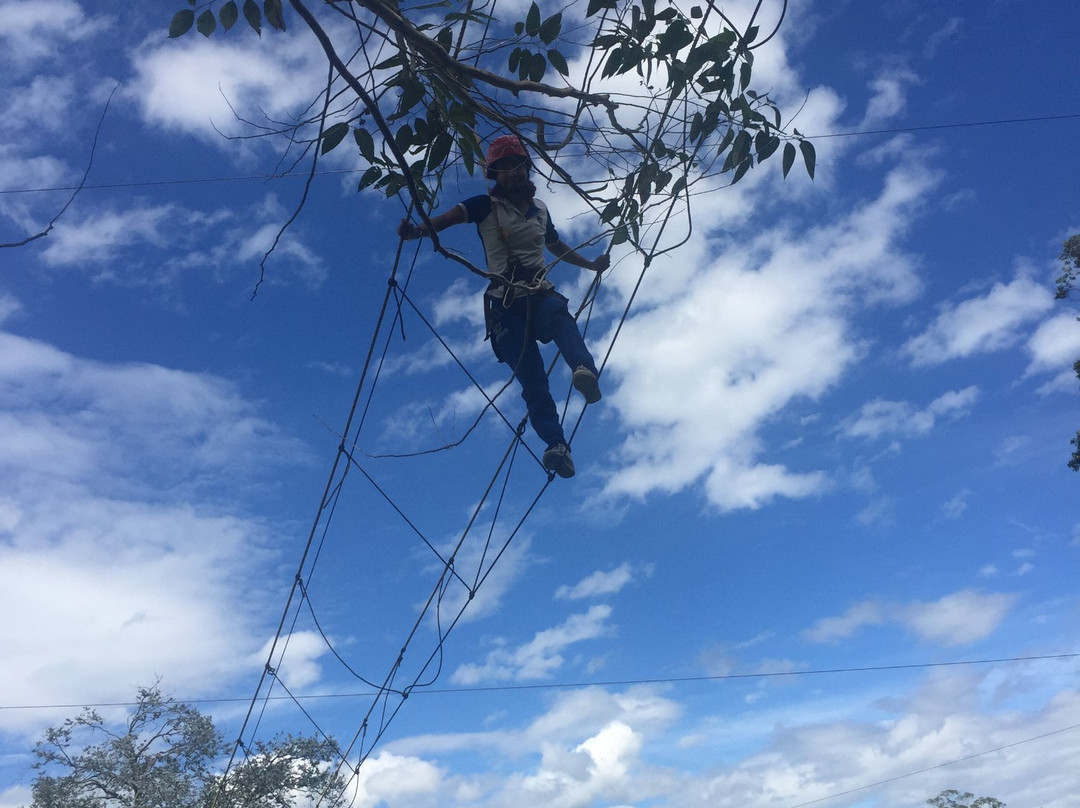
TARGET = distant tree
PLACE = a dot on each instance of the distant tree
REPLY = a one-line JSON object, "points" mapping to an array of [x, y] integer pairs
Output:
{"points": [[951, 798], [1070, 266], [1074, 462], [164, 756], [1066, 283]]}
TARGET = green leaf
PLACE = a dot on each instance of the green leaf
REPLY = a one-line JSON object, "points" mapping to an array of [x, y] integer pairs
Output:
{"points": [[404, 138], [365, 142], [439, 150], [538, 67], [445, 39], [789, 157], [369, 177], [696, 13], [515, 60], [333, 136], [745, 69], [253, 15], [423, 132], [532, 20], [614, 62], [620, 235], [549, 31], [468, 157], [765, 144], [181, 22], [397, 60], [696, 126], [611, 211], [207, 23], [740, 150], [743, 167], [809, 156], [229, 14], [597, 5], [519, 28], [674, 39], [274, 15], [558, 61], [412, 91]]}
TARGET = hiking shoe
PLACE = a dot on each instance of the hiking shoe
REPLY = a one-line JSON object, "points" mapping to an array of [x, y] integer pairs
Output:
{"points": [[557, 459], [586, 383]]}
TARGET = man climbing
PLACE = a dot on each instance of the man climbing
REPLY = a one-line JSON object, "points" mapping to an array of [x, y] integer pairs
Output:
{"points": [[521, 305]]}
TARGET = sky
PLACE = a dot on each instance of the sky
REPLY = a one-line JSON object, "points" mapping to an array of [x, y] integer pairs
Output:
{"points": [[822, 546]]}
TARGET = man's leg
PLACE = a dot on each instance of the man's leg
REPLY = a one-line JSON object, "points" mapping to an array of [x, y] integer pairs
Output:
{"points": [[555, 323], [517, 348]]}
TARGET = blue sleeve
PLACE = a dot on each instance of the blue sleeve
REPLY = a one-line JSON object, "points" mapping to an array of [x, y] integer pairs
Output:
{"points": [[477, 208], [551, 235]]}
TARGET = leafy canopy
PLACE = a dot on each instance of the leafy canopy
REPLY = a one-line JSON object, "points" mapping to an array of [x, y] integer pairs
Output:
{"points": [[631, 103], [951, 798], [167, 755]]}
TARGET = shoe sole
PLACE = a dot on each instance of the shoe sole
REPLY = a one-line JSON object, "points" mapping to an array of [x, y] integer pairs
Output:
{"points": [[561, 465], [589, 386]]}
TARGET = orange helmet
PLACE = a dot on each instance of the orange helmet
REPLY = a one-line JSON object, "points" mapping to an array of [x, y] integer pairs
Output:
{"points": [[506, 146]]}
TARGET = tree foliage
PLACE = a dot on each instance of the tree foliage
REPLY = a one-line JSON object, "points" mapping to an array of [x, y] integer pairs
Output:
{"points": [[1066, 283], [1070, 266], [165, 755], [951, 798], [630, 103]]}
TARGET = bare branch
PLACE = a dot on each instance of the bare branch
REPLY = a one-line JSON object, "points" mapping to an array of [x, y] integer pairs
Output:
{"points": [[81, 185]]}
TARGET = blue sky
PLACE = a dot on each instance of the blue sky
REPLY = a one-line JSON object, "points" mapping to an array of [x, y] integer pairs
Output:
{"points": [[831, 453]]}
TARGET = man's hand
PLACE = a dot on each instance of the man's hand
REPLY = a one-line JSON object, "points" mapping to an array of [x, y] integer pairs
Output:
{"points": [[409, 231], [600, 263]]}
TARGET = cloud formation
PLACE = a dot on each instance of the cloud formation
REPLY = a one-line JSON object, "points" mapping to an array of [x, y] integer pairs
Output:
{"points": [[982, 324], [960, 618]]}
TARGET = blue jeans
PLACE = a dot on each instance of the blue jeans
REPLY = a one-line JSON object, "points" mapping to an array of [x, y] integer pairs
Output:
{"points": [[514, 331]]}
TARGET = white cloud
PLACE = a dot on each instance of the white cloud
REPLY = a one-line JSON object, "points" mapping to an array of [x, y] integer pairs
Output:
{"points": [[889, 97], [9, 306], [34, 30], [958, 619], [99, 468], [474, 561], [99, 237], [1054, 348], [961, 618], [984, 324], [880, 418], [832, 629], [955, 507], [199, 86], [389, 779], [722, 343], [114, 244], [300, 667], [601, 583], [540, 657], [594, 746]]}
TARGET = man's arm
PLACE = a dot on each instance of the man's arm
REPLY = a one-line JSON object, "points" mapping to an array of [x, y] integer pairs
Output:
{"points": [[408, 231], [571, 256]]}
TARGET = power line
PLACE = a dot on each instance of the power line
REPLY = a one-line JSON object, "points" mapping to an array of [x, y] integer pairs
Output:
{"points": [[343, 171], [931, 127], [595, 683]]}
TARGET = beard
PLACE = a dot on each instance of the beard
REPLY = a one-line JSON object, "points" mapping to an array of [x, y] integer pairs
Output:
{"points": [[518, 192]]}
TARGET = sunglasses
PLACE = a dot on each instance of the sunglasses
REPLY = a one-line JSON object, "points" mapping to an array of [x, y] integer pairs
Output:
{"points": [[511, 164]]}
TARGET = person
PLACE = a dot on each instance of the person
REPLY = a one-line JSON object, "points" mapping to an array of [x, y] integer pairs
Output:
{"points": [[521, 305]]}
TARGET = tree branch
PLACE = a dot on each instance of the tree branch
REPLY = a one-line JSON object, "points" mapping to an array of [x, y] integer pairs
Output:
{"points": [[81, 185]]}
